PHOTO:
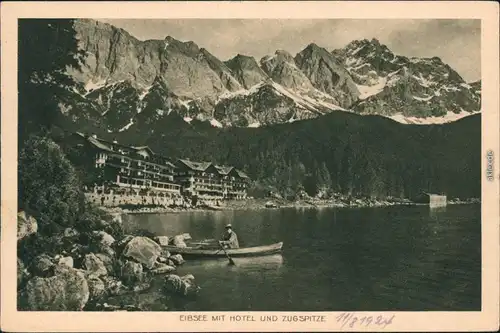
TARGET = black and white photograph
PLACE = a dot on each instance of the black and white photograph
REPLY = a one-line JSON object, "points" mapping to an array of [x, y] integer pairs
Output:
{"points": [[251, 166]]}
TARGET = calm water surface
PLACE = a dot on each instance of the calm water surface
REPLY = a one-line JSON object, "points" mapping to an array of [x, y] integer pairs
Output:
{"points": [[394, 258]]}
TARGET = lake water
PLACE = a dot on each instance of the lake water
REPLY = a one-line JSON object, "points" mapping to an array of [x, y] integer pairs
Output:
{"points": [[396, 258]]}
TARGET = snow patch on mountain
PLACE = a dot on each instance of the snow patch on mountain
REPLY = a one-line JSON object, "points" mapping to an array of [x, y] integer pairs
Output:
{"points": [[449, 117], [423, 81], [423, 99], [144, 93], [240, 92], [90, 86], [367, 91], [186, 103]]}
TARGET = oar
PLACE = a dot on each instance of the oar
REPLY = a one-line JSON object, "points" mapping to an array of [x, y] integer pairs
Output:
{"points": [[231, 262]]}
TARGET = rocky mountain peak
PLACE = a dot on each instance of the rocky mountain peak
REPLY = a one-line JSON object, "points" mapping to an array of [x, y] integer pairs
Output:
{"points": [[282, 69], [242, 61], [327, 74], [188, 48], [419, 87], [246, 70]]}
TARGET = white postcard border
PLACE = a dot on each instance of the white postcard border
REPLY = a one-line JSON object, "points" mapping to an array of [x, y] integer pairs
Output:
{"points": [[12, 320]]}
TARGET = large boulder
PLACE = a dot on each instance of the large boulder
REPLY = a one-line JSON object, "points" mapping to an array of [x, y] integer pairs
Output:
{"points": [[26, 225], [42, 265], [177, 259], [131, 272], [94, 265], [143, 250], [162, 240], [191, 288], [67, 290], [107, 260], [174, 284], [97, 288], [185, 286]]}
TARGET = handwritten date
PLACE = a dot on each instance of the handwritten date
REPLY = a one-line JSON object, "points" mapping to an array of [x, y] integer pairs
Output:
{"points": [[351, 319]]}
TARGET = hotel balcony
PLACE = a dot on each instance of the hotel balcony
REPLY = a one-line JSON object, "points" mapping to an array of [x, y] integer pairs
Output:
{"points": [[147, 184]]}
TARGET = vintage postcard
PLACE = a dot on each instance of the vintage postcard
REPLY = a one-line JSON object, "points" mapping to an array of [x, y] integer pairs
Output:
{"points": [[250, 166]]}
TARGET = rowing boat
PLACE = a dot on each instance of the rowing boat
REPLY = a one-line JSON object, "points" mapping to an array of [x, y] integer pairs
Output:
{"points": [[201, 251]]}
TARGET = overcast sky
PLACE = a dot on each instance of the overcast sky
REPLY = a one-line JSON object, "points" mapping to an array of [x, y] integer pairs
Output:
{"points": [[456, 42]]}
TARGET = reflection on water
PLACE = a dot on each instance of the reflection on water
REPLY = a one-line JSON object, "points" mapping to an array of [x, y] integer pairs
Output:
{"points": [[270, 262], [394, 258], [435, 212]]}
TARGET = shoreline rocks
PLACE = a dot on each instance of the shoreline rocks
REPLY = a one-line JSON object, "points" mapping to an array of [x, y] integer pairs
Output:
{"points": [[184, 286], [258, 204], [67, 290], [143, 250], [80, 269], [131, 272], [94, 265]]}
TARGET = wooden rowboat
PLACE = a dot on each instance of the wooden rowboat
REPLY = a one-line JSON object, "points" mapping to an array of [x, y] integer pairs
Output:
{"points": [[201, 251]]}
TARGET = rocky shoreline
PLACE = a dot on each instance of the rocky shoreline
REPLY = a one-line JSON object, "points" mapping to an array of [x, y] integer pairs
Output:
{"points": [[256, 204], [77, 270]]}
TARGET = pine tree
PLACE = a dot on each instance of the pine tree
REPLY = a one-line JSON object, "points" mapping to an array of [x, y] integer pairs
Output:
{"points": [[46, 48]]}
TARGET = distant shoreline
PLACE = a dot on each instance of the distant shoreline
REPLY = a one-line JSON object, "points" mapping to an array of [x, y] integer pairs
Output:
{"points": [[260, 204]]}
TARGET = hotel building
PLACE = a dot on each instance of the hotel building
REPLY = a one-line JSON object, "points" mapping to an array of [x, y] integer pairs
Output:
{"points": [[209, 181], [136, 175]]}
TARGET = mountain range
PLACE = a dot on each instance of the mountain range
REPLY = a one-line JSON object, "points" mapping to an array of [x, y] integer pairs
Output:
{"points": [[125, 83]]}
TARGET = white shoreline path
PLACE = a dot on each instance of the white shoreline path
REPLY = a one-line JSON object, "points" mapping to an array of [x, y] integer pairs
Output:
{"points": [[260, 205]]}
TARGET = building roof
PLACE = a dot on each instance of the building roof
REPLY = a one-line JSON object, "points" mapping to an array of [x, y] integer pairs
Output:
{"points": [[429, 194], [99, 144], [198, 166], [223, 170], [241, 174]]}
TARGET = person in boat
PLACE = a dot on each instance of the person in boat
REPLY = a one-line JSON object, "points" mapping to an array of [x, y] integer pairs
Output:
{"points": [[229, 239]]}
